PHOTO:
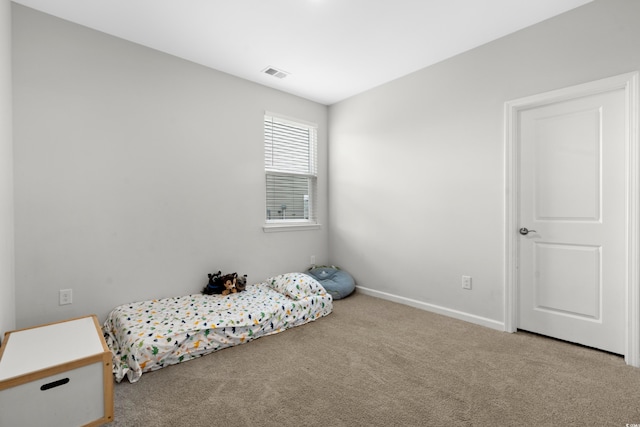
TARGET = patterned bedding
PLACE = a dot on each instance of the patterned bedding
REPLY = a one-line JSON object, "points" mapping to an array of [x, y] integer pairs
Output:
{"points": [[148, 335]]}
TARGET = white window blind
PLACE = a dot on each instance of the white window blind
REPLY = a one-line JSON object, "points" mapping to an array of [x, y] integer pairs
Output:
{"points": [[290, 149]]}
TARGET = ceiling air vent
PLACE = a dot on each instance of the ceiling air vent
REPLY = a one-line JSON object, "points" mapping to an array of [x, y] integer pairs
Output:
{"points": [[275, 72]]}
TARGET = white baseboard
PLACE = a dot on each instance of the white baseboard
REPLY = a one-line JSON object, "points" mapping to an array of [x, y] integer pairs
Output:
{"points": [[471, 318]]}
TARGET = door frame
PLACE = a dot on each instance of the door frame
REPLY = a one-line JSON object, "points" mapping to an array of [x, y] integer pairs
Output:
{"points": [[629, 83]]}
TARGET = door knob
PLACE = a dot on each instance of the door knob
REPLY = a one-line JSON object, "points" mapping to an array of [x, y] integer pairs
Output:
{"points": [[524, 231]]}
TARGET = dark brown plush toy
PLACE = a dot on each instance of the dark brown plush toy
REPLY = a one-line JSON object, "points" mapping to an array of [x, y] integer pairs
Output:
{"points": [[229, 281]]}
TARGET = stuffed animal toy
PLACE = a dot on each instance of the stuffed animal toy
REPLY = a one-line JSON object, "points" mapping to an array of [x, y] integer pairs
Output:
{"points": [[229, 281], [241, 283], [215, 285], [225, 285]]}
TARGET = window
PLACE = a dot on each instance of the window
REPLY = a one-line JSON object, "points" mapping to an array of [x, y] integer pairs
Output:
{"points": [[290, 151]]}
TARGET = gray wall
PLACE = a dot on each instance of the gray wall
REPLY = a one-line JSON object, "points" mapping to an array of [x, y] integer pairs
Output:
{"points": [[137, 173], [417, 165], [7, 298]]}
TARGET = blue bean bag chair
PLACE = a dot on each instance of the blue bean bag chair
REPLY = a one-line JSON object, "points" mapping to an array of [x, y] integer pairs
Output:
{"points": [[337, 282]]}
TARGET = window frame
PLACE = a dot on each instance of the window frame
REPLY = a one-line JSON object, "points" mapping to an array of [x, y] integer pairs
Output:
{"points": [[291, 224]]}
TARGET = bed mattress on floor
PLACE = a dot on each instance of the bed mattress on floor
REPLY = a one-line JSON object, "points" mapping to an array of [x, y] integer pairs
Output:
{"points": [[149, 335]]}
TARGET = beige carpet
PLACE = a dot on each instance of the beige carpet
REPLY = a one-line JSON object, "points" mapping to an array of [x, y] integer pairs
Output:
{"points": [[377, 363]]}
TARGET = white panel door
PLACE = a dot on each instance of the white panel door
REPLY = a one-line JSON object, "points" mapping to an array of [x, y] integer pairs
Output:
{"points": [[572, 201]]}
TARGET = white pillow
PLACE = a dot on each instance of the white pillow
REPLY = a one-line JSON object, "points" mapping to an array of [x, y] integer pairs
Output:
{"points": [[296, 285]]}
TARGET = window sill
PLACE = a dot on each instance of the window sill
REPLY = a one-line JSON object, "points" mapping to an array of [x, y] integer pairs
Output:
{"points": [[274, 228]]}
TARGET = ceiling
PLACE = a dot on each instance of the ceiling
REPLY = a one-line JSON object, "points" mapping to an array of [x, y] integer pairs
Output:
{"points": [[331, 49]]}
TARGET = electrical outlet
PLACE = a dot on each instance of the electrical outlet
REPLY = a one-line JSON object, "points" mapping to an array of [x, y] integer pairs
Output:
{"points": [[65, 296], [466, 282], [313, 260]]}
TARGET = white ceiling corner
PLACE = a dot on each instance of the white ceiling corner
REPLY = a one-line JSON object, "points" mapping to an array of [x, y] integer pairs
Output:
{"points": [[332, 49]]}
